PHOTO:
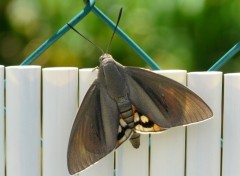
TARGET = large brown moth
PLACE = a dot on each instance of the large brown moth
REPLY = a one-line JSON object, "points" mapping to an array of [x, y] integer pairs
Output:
{"points": [[123, 102], [127, 101]]}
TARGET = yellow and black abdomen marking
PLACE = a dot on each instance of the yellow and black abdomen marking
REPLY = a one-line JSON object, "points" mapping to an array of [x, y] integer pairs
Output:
{"points": [[123, 132], [144, 125]]}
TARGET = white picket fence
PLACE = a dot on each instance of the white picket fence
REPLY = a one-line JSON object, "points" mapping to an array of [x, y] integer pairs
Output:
{"points": [[41, 106]]}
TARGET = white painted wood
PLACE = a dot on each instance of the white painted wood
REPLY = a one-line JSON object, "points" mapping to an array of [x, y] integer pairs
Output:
{"points": [[2, 122], [231, 125], [204, 139], [168, 147], [104, 167], [23, 85], [60, 102]]}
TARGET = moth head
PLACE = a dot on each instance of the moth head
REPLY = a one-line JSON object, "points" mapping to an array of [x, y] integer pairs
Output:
{"points": [[105, 58]]}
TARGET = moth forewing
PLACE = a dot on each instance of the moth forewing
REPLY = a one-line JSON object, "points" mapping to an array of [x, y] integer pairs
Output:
{"points": [[87, 143], [169, 102], [183, 80], [181, 77]]}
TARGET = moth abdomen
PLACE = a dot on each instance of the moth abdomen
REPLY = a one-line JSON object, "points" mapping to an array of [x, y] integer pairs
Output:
{"points": [[126, 123], [126, 111], [128, 118]]}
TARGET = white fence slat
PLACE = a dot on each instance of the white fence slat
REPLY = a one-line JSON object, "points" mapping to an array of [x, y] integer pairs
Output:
{"points": [[60, 102], [204, 139], [2, 122], [231, 125], [23, 84], [131, 161], [168, 147], [104, 167]]}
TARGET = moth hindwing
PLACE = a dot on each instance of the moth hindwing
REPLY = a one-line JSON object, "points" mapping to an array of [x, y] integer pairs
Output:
{"points": [[124, 102]]}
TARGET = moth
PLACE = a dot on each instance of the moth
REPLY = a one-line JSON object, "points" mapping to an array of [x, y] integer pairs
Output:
{"points": [[124, 102]]}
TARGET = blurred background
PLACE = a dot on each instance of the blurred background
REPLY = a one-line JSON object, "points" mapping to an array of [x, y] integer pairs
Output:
{"points": [[177, 34]]}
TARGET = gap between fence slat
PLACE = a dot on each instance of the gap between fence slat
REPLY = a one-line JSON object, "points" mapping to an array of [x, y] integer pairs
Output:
{"points": [[2, 123]]}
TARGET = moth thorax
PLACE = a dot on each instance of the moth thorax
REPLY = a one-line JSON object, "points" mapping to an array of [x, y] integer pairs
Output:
{"points": [[105, 58]]}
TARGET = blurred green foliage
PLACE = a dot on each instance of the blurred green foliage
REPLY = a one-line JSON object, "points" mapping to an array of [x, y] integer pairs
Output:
{"points": [[177, 34]]}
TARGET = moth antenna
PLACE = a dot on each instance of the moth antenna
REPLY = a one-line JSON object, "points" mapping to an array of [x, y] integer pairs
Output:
{"points": [[100, 49], [114, 31]]}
